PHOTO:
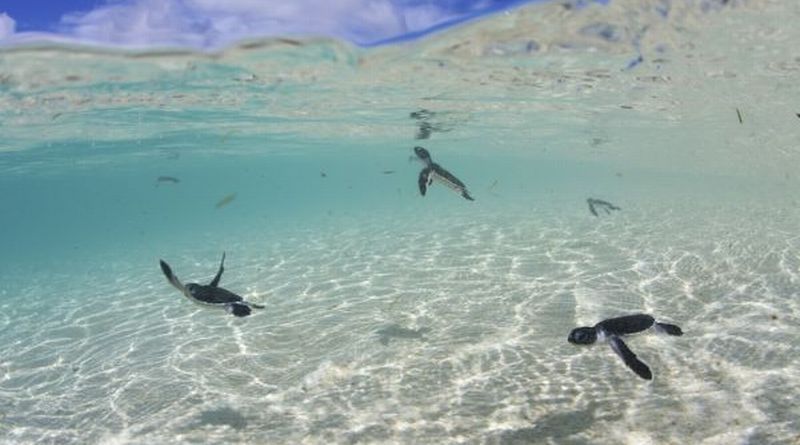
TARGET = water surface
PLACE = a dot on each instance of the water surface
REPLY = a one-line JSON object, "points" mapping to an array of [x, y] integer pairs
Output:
{"points": [[293, 157]]}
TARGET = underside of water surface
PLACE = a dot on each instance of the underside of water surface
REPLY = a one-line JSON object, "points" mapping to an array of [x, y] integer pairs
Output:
{"points": [[392, 317]]}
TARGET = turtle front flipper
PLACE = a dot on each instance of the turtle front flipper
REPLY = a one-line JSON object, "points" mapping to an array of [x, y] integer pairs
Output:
{"points": [[630, 359], [424, 180], [173, 280], [216, 279], [669, 329]]}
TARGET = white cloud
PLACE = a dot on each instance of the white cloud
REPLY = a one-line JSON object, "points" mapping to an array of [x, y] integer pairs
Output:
{"points": [[424, 16], [212, 23], [7, 25]]}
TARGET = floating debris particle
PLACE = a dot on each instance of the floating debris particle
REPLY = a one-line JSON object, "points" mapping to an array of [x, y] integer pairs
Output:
{"points": [[322, 174], [167, 180], [227, 136], [739, 115], [597, 142], [248, 78], [633, 63], [627, 107], [603, 31], [225, 201], [388, 172], [291, 42]]}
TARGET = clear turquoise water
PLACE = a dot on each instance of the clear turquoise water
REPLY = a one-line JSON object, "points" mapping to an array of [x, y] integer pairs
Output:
{"points": [[96, 347]]}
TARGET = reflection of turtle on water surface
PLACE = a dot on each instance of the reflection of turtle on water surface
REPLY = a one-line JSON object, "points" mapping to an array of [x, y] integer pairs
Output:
{"points": [[211, 294], [426, 124]]}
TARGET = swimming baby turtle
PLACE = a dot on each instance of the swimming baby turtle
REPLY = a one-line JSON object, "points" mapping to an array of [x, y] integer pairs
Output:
{"points": [[612, 329], [435, 172], [211, 294]]}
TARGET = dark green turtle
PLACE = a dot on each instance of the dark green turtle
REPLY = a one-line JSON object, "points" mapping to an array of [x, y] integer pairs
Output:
{"points": [[614, 328], [435, 172], [211, 294]]}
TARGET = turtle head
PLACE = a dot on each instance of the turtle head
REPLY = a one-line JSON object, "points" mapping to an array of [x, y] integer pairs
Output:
{"points": [[423, 154], [582, 336], [191, 289]]}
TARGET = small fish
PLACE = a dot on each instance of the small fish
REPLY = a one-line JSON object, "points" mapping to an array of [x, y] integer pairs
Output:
{"points": [[739, 115], [396, 331], [166, 180], [226, 200], [323, 174], [388, 172]]}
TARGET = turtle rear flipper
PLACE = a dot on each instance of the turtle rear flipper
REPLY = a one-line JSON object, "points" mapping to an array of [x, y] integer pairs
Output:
{"points": [[630, 359], [669, 329], [238, 309]]}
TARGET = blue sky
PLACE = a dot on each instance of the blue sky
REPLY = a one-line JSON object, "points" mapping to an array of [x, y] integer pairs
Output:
{"points": [[216, 23], [43, 15]]}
